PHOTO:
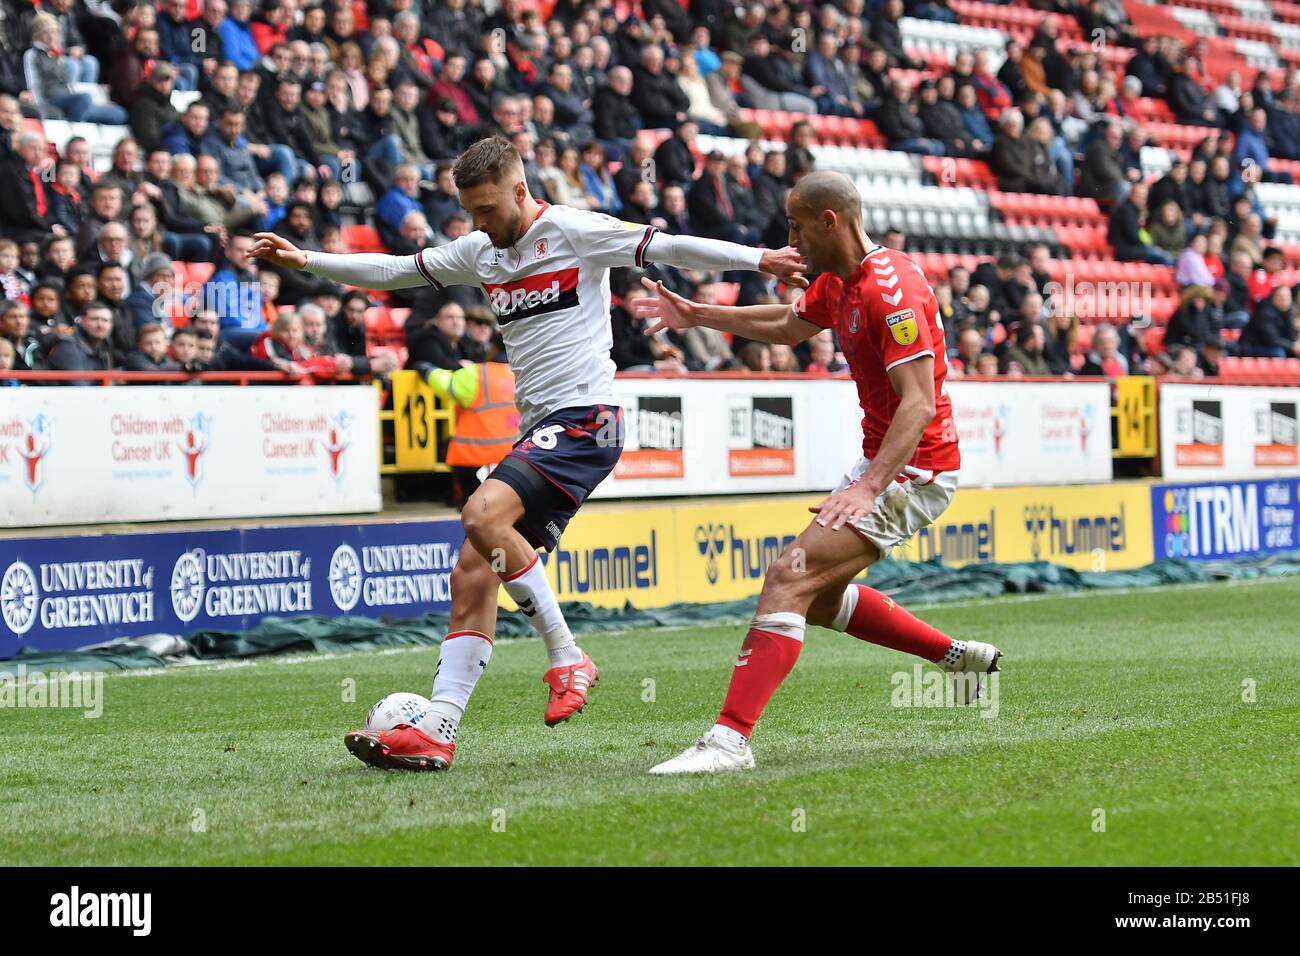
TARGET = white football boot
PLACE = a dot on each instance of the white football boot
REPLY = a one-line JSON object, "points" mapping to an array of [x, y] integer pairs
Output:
{"points": [[708, 755], [977, 658]]}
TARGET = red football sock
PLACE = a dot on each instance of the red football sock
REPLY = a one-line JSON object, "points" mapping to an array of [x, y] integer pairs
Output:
{"points": [[765, 660], [878, 619]]}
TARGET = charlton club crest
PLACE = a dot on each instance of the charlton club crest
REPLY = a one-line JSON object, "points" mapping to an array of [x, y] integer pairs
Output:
{"points": [[34, 447], [853, 320], [198, 435], [337, 442]]}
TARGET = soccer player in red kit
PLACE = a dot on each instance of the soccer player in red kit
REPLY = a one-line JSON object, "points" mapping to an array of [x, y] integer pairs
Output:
{"points": [[888, 324]]}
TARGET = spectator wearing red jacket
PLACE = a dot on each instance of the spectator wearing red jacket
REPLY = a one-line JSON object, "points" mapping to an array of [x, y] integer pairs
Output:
{"points": [[272, 26], [285, 345], [993, 95], [1267, 278], [451, 85]]}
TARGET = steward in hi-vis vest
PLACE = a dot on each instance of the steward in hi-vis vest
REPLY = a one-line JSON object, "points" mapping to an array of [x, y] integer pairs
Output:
{"points": [[487, 421]]}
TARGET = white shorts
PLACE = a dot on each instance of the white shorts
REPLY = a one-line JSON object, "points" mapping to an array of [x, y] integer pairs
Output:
{"points": [[905, 507]]}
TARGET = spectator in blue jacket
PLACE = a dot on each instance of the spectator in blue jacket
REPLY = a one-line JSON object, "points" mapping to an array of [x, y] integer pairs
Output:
{"points": [[399, 199], [1150, 66], [176, 42], [1284, 126], [1251, 155], [1251, 146], [1272, 332], [234, 293], [158, 275], [236, 34], [828, 79], [226, 144], [972, 117], [190, 132]]}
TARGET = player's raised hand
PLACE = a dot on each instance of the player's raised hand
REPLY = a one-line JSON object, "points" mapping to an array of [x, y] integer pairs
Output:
{"points": [[664, 310], [277, 250], [786, 264]]}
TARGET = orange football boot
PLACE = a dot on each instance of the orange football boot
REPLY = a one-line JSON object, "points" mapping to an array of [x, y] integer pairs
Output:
{"points": [[569, 686], [402, 748]]}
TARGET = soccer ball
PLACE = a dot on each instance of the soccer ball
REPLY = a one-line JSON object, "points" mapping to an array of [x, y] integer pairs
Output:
{"points": [[397, 709]]}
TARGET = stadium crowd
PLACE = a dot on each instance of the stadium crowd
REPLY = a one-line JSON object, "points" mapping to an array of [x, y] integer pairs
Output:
{"points": [[290, 105]]}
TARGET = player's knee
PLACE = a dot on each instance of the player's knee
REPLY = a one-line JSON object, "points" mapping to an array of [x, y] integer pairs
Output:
{"points": [[787, 576], [473, 525], [485, 514], [478, 520]]}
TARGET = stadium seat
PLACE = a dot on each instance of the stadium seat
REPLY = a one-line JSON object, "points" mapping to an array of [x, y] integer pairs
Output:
{"points": [[362, 238], [197, 272], [181, 99], [1154, 342]]}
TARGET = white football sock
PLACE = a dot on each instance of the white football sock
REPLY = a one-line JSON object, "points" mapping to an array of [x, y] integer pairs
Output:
{"points": [[531, 590], [786, 623], [730, 739], [955, 654], [848, 604], [463, 657]]}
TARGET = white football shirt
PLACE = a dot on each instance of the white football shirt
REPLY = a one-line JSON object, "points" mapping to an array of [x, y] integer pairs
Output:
{"points": [[550, 293]]}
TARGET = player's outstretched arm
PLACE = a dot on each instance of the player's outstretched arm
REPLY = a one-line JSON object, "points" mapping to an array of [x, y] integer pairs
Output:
{"points": [[765, 323], [368, 270], [715, 255]]}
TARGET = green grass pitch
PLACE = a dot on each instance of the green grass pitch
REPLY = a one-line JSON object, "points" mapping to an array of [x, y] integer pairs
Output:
{"points": [[1135, 704]]}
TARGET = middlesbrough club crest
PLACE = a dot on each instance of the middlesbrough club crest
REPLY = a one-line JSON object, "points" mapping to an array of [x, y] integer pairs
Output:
{"points": [[540, 249]]}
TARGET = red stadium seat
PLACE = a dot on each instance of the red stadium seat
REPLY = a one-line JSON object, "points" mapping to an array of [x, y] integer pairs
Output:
{"points": [[362, 238], [1155, 340], [197, 272]]}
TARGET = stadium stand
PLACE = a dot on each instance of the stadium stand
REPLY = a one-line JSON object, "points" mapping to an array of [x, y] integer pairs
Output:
{"points": [[976, 132]]}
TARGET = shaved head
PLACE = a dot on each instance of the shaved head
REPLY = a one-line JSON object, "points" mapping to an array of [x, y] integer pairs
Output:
{"points": [[824, 212], [820, 191]]}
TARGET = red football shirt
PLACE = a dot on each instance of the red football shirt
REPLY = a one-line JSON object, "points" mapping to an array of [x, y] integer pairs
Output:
{"points": [[886, 314]]}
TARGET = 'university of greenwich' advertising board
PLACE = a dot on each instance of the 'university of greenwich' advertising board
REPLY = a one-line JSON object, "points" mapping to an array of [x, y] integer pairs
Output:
{"points": [[706, 436], [151, 453], [67, 592], [1212, 432]]}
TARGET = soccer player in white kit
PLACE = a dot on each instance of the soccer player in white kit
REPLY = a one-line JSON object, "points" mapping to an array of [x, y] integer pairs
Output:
{"points": [[545, 271]]}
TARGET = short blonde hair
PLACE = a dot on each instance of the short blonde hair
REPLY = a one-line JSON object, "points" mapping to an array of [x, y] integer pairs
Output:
{"points": [[283, 321], [44, 23]]}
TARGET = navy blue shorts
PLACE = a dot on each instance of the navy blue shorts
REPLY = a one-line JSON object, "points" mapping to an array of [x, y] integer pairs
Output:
{"points": [[557, 464]]}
